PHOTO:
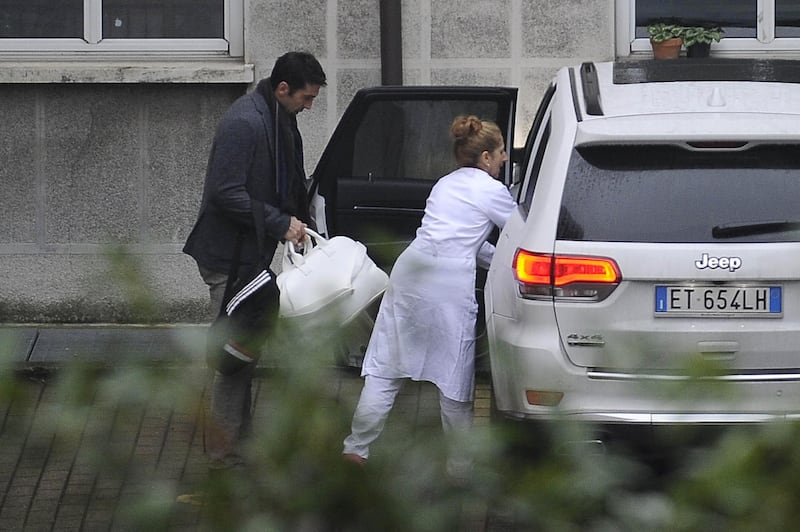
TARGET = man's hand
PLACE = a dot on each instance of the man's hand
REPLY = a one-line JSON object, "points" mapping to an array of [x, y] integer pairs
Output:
{"points": [[296, 232]]}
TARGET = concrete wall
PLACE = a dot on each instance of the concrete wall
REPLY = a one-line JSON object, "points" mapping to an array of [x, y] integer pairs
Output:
{"points": [[87, 169], [102, 180]]}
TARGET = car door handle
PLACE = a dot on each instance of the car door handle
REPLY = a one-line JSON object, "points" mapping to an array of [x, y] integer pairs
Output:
{"points": [[385, 209]]}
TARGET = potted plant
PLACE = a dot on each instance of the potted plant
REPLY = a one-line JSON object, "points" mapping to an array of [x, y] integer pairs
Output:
{"points": [[698, 39], [666, 40]]}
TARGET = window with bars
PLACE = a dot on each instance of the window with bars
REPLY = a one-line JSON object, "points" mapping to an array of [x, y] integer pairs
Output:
{"points": [[202, 26]]}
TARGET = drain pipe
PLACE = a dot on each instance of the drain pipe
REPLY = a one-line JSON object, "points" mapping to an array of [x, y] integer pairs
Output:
{"points": [[391, 43]]}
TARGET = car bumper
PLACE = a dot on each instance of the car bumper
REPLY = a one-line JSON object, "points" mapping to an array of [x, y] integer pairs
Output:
{"points": [[529, 358]]}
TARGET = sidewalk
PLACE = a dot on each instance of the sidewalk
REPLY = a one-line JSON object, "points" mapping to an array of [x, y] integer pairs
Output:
{"points": [[51, 347], [52, 476]]}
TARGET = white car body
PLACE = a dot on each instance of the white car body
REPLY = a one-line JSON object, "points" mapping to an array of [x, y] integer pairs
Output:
{"points": [[616, 358]]}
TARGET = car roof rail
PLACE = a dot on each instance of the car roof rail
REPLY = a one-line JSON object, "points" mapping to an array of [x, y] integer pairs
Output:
{"points": [[591, 89]]}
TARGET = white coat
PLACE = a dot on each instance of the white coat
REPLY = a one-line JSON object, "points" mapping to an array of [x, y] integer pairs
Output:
{"points": [[425, 329]]}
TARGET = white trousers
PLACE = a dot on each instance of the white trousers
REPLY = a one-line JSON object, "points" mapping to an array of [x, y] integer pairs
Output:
{"points": [[375, 403]]}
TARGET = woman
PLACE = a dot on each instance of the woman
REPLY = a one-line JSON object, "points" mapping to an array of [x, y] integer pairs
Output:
{"points": [[425, 329]]}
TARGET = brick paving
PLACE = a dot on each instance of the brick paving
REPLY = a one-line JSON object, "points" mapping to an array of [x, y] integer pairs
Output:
{"points": [[100, 450]]}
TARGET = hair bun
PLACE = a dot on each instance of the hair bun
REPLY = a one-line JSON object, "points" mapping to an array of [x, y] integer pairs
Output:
{"points": [[465, 126]]}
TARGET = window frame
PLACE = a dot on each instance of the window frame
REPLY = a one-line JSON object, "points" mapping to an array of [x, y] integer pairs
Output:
{"points": [[627, 44], [93, 45]]}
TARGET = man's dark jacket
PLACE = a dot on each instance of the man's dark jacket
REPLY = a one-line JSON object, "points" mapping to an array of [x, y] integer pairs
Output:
{"points": [[243, 165]]}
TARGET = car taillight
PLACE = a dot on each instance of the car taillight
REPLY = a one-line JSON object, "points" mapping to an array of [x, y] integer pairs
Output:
{"points": [[541, 275]]}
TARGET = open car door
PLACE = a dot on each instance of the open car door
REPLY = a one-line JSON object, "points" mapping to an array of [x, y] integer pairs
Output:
{"points": [[391, 145]]}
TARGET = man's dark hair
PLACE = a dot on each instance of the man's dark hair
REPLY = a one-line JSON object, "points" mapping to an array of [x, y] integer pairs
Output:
{"points": [[297, 69]]}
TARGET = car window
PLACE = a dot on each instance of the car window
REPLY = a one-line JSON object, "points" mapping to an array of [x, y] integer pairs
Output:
{"points": [[535, 166], [411, 139], [534, 149], [668, 193]]}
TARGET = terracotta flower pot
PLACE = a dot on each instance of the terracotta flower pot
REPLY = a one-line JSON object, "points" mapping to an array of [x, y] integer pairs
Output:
{"points": [[669, 49]]}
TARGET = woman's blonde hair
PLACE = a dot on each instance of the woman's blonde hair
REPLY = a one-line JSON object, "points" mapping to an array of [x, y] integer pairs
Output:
{"points": [[472, 136]]}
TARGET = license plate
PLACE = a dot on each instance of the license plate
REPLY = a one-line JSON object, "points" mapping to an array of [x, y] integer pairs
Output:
{"points": [[719, 301]]}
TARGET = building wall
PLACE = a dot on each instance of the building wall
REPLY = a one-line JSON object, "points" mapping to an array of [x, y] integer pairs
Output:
{"points": [[102, 180]]}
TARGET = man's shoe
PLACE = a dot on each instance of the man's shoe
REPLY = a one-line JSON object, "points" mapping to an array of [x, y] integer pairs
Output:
{"points": [[354, 458], [195, 499]]}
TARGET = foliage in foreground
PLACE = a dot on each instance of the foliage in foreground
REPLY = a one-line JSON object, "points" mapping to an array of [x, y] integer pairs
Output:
{"points": [[296, 479]]}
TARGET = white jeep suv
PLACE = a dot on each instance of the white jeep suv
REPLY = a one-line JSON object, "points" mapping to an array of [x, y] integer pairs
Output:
{"points": [[651, 275]]}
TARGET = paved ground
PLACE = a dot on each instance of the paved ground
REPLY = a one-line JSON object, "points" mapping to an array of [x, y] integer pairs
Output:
{"points": [[103, 447]]}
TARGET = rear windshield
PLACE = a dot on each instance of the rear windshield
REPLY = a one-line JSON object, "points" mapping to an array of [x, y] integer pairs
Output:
{"points": [[667, 193]]}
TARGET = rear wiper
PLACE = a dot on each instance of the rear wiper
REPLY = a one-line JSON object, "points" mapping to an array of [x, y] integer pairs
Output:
{"points": [[733, 230]]}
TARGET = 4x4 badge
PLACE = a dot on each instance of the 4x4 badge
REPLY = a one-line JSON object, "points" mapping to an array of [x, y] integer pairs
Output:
{"points": [[712, 263], [587, 340]]}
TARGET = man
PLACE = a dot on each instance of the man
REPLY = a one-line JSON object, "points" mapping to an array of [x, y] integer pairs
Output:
{"points": [[257, 154]]}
